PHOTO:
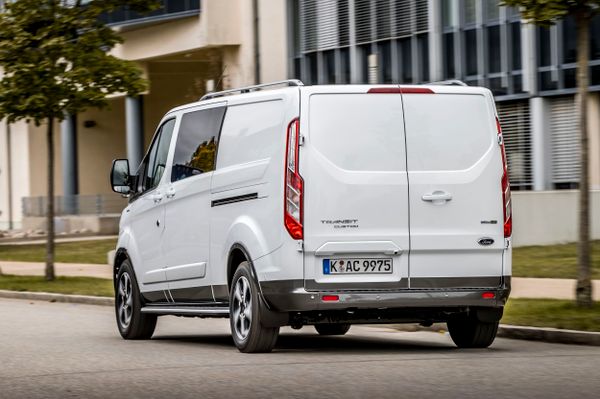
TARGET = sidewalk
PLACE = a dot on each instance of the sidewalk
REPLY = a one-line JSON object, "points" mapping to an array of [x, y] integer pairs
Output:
{"points": [[554, 288], [58, 239], [61, 269]]}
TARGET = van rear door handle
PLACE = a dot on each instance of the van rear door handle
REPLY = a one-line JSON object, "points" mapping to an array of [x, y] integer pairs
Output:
{"points": [[437, 197]]}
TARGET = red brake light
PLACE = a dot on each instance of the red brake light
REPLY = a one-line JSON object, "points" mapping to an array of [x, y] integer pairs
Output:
{"points": [[400, 90], [506, 196], [330, 298], [293, 184], [488, 295]]}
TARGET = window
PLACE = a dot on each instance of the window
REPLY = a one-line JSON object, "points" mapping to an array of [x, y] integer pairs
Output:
{"points": [[423, 47], [385, 61], [406, 60], [154, 164], [470, 11], [329, 67], [197, 143], [471, 51], [492, 10], [569, 30], [493, 48], [449, 55], [516, 45]]}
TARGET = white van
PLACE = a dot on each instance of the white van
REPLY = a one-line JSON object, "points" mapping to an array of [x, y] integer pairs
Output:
{"points": [[286, 204]]}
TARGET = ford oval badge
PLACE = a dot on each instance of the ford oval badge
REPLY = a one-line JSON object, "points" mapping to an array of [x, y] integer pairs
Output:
{"points": [[486, 241]]}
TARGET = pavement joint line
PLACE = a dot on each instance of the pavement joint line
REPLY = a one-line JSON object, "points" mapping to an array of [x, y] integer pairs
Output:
{"points": [[544, 334]]}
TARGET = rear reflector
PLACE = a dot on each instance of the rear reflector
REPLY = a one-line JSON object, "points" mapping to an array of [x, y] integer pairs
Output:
{"points": [[330, 298], [400, 90], [488, 295]]}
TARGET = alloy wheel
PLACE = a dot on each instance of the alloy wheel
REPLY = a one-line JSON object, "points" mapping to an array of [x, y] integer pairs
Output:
{"points": [[242, 308]]}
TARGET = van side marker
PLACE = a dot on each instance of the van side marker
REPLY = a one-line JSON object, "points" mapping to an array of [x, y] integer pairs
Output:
{"points": [[231, 200]]}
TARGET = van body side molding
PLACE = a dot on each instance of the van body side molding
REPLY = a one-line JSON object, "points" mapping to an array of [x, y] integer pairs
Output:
{"points": [[232, 200]]}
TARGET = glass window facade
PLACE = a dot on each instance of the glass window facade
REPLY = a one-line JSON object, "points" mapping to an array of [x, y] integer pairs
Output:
{"points": [[385, 41]]}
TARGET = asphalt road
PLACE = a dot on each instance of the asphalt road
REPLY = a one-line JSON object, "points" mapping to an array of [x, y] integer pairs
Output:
{"points": [[67, 350]]}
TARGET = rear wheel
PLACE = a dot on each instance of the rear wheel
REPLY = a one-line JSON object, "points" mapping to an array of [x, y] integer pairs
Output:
{"points": [[332, 329], [249, 335], [132, 323], [469, 332]]}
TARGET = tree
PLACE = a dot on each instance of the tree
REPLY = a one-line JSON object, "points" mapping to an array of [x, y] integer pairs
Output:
{"points": [[545, 13], [54, 58]]}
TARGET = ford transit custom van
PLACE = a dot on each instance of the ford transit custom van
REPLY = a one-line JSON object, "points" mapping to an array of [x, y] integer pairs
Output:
{"points": [[291, 205]]}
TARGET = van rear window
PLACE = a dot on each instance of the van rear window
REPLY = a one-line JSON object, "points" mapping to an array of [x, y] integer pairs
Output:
{"points": [[447, 131], [358, 132]]}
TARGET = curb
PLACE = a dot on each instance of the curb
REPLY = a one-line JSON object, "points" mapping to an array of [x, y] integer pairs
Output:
{"points": [[542, 334], [553, 335], [47, 296]]}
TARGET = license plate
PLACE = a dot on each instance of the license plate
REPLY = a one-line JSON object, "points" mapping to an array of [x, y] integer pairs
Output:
{"points": [[358, 266]]}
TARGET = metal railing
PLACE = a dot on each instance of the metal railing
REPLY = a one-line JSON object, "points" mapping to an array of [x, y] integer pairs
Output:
{"points": [[168, 9], [99, 204]]}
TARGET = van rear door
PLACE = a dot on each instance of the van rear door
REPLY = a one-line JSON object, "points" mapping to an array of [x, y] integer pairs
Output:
{"points": [[353, 162], [455, 169]]}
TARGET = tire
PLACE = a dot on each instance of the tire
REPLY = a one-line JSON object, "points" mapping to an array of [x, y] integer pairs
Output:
{"points": [[249, 335], [469, 332], [132, 323], [332, 329]]}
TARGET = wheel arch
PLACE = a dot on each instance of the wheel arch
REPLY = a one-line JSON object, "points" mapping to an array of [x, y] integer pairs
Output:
{"points": [[238, 254], [120, 256]]}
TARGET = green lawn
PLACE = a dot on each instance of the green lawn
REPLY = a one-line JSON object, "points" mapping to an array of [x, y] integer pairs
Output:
{"points": [[555, 261], [67, 252], [62, 285], [551, 313]]}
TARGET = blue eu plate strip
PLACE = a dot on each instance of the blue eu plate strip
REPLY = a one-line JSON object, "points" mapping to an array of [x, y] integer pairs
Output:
{"points": [[326, 269]]}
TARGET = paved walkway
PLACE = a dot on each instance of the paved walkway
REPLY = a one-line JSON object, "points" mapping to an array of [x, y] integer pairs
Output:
{"points": [[42, 240], [521, 287], [61, 269], [557, 288]]}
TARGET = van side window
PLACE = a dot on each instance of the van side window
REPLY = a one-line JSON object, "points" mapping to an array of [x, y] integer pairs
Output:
{"points": [[155, 162], [197, 143]]}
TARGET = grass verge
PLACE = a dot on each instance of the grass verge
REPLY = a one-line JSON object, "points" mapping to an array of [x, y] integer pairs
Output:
{"points": [[553, 261], [66, 252], [62, 285], [551, 313]]}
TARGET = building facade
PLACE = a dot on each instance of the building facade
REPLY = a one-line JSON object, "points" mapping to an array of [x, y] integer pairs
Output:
{"points": [[530, 70], [185, 48]]}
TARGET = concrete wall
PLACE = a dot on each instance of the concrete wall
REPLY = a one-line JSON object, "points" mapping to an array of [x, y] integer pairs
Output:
{"points": [[20, 172], [550, 217], [273, 40]]}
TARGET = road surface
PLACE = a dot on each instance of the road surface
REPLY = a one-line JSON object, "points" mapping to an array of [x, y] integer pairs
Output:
{"points": [[59, 350]]}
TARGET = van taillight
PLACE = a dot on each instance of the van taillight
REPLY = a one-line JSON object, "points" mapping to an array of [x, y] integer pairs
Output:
{"points": [[506, 197], [294, 185]]}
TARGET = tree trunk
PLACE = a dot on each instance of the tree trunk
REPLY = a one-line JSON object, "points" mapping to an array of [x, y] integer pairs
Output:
{"points": [[50, 202], [584, 285]]}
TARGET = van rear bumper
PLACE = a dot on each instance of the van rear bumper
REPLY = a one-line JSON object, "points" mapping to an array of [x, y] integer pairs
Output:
{"points": [[291, 296]]}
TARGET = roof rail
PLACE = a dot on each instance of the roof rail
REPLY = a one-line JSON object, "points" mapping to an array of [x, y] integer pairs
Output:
{"points": [[248, 89], [454, 82]]}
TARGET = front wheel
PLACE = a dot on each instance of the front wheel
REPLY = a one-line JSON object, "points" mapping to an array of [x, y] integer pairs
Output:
{"points": [[249, 335], [469, 332], [132, 323]]}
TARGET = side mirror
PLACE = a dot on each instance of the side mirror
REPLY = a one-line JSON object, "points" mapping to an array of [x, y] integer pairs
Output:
{"points": [[119, 176]]}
